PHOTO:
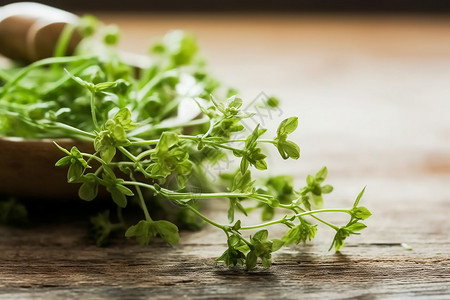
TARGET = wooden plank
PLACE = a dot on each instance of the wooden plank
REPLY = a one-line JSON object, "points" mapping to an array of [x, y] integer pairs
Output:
{"points": [[57, 262], [373, 99]]}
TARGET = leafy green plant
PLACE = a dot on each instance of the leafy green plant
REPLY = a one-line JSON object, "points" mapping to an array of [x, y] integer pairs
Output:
{"points": [[142, 151]]}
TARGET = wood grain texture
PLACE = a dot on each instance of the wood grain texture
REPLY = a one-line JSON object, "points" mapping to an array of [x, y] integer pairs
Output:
{"points": [[372, 95]]}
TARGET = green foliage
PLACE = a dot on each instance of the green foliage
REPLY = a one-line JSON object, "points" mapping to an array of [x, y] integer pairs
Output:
{"points": [[357, 214], [169, 157], [285, 147], [281, 188], [77, 164], [252, 154], [13, 213], [113, 134], [235, 253], [273, 102], [314, 190], [102, 228], [300, 233], [146, 147], [89, 188], [145, 230], [260, 248]]}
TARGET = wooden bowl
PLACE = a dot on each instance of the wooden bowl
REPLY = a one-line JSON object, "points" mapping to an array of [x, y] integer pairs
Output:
{"points": [[27, 168]]}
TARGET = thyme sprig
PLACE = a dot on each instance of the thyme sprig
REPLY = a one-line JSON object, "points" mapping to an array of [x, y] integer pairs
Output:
{"points": [[144, 149]]}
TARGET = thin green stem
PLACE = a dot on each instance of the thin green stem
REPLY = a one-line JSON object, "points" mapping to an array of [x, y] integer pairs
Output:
{"points": [[263, 224], [213, 143], [181, 196], [259, 141], [148, 87], [95, 157], [63, 41], [203, 217], [325, 222], [242, 238], [72, 129], [211, 126], [141, 200], [141, 184], [127, 153], [144, 154], [145, 143], [41, 63], [311, 212], [185, 137], [146, 129], [50, 125], [319, 219], [65, 78], [93, 114]]}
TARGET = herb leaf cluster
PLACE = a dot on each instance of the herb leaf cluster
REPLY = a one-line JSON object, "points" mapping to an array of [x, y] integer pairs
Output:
{"points": [[143, 149]]}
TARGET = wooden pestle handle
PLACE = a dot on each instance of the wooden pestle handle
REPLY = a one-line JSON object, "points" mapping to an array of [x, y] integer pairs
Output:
{"points": [[30, 31]]}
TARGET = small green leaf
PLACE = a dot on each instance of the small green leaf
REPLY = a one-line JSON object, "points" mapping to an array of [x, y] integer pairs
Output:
{"points": [[267, 213], [237, 225], [80, 81], [310, 180], [326, 189], [63, 161], [250, 142], [123, 117], [339, 238], [167, 140], [277, 244], [360, 212], [242, 182], [61, 148], [231, 211], [321, 175], [261, 164], [266, 262], [119, 135], [142, 231], [118, 197], [233, 241], [261, 235], [287, 126], [168, 231], [244, 165], [234, 102], [355, 227], [251, 260], [111, 35], [124, 190], [107, 153], [291, 149], [300, 233], [360, 195], [75, 172], [88, 191], [318, 200], [104, 85]]}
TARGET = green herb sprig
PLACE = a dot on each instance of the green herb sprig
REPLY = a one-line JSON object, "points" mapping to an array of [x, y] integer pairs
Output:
{"points": [[141, 151]]}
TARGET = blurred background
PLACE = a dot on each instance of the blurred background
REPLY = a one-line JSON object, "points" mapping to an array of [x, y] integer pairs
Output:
{"points": [[254, 5]]}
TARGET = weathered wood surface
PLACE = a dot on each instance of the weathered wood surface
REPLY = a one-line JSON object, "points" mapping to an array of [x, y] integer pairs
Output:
{"points": [[372, 94]]}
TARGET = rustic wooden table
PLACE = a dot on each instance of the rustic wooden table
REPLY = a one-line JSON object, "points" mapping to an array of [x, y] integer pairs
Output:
{"points": [[373, 98]]}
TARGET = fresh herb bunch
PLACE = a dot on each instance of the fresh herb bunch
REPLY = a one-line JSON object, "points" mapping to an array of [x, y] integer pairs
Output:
{"points": [[144, 148]]}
